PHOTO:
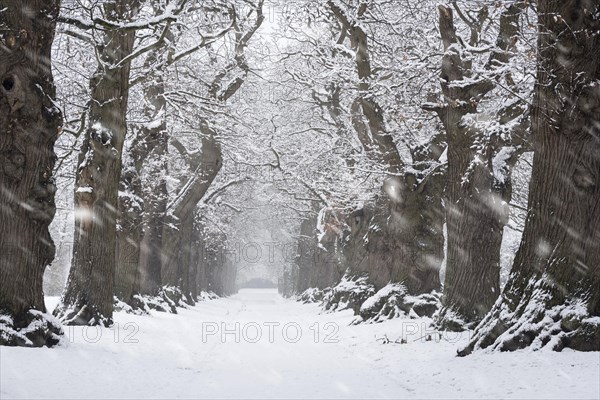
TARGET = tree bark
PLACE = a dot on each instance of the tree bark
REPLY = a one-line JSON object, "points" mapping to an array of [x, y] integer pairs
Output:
{"points": [[185, 266], [30, 124], [149, 186], [476, 203], [552, 295], [151, 257], [129, 233], [184, 205], [88, 298], [195, 254]]}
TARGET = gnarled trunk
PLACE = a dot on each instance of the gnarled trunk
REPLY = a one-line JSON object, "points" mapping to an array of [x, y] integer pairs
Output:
{"points": [[307, 247], [141, 227], [176, 234], [129, 233], [475, 215], [29, 126], [88, 298], [320, 250], [552, 295], [185, 265], [182, 209]]}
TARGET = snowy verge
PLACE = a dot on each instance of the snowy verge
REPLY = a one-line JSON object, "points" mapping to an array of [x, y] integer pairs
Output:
{"points": [[357, 294], [168, 300]]}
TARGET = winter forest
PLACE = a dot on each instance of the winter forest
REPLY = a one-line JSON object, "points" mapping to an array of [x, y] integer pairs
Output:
{"points": [[299, 198]]}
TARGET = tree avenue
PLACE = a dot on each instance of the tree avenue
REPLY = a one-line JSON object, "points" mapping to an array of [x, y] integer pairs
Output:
{"points": [[420, 160]]}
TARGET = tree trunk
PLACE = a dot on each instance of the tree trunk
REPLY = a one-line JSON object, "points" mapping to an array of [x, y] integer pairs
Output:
{"points": [[307, 248], [184, 260], [183, 207], [195, 254], [475, 221], [320, 252], [552, 295], [416, 225], [129, 233], [30, 123], [328, 249], [150, 168], [151, 257], [476, 201], [210, 260], [202, 256], [165, 250], [88, 298]]}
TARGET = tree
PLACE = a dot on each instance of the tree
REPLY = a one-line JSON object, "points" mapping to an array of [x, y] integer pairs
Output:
{"points": [[480, 160], [30, 123], [350, 62], [552, 295], [149, 153], [145, 196], [88, 297], [178, 227], [403, 229]]}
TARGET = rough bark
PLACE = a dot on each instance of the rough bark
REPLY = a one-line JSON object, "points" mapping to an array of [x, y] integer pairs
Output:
{"points": [[129, 233], [185, 265], [552, 295], [476, 201], [149, 151], [141, 227], [211, 261], [401, 241], [202, 256], [88, 297], [209, 258], [151, 257], [195, 254], [29, 126], [286, 281], [228, 278]]}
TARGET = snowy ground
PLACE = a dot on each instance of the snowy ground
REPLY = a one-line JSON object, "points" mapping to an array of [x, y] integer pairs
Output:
{"points": [[191, 356]]}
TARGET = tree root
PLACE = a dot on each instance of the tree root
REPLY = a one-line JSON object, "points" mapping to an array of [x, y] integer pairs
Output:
{"points": [[393, 301], [350, 293], [32, 328], [81, 314], [537, 323], [447, 319]]}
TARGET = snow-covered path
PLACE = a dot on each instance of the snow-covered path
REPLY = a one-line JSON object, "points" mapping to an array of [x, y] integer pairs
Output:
{"points": [[214, 350]]}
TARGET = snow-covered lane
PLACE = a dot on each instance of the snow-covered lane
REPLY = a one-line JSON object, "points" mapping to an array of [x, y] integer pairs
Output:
{"points": [[257, 344]]}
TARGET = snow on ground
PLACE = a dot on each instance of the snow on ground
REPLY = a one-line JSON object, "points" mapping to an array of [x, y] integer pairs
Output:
{"points": [[191, 355]]}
